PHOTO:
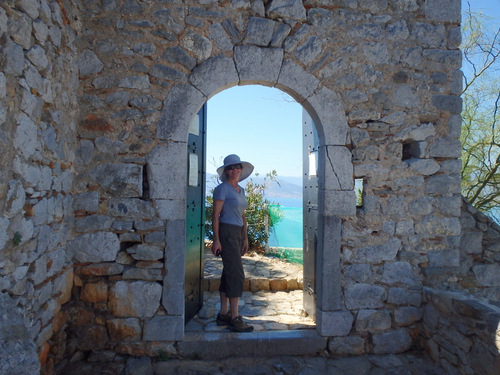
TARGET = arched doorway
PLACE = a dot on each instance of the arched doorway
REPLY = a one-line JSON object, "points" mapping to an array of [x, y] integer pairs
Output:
{"points": [[336, 197], [264, 126]]}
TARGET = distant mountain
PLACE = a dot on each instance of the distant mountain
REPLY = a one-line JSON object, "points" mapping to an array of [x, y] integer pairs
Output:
{"points": [[284, 187]]}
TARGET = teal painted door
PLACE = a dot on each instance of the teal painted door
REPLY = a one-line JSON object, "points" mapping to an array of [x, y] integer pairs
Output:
{"points": [[195, 214], [310, 209]]}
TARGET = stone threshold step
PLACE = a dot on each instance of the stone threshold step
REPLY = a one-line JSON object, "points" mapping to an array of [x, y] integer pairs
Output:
{"points": [[257, 284], [220, 345]]}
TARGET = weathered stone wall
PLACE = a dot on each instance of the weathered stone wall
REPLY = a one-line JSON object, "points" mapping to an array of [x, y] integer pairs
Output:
{"points": [[38, 111], [380, 79], [389, 68], [461, 332], [479, 271]]}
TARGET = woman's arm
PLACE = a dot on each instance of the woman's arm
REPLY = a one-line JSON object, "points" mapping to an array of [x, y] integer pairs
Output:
{"points": [[245, 235], [217, 208]]}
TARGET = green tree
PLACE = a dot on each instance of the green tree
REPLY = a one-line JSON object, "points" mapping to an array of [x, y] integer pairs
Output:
{"points": [[481, 95], [257, 212]]}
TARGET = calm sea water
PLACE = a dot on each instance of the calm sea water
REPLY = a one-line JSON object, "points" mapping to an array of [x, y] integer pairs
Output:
{"points": [[288, 232]]}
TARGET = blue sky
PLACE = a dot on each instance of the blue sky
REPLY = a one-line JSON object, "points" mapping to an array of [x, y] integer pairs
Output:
{"points": [[264, 125]]}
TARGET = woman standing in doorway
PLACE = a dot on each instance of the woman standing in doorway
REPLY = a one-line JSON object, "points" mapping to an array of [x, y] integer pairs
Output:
{"points": [[230, 238]]}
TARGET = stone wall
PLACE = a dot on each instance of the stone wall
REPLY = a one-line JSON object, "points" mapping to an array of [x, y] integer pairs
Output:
{"points": [[39, 87], [389, 69], [461, 332], [479, 271], [106, 171]]}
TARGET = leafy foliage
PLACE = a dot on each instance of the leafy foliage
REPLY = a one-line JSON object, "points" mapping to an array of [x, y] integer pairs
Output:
{"points": [[481, 95], [257, 213]]}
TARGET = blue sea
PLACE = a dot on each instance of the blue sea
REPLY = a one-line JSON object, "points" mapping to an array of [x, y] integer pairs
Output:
{"points": [[288, 233]]}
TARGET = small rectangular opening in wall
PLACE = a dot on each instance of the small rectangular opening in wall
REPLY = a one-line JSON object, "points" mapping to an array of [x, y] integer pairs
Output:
{"points": [[411, 150], [145, 183], [358, 189]]}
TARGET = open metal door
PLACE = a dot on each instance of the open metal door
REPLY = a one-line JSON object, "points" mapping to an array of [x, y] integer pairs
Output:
{"points": [[310, 209], [195, 214]]}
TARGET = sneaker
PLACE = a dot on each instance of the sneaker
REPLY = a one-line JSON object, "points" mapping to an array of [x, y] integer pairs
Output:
{"points": [[223, 320], [238, 325]]}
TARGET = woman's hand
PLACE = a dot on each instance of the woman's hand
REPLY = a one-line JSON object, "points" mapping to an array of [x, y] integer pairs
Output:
{"points": [[216, 248], [244, 249]]}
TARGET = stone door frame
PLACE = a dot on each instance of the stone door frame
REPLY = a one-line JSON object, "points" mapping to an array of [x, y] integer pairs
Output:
{"points": [[251, 65]]}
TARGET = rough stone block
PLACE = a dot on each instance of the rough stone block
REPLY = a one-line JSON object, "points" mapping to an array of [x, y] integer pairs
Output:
{"points": [[170, 209], [350, 345], [130, 208], [259, 284], [425, 167], [326, 109], [95, 247], [443, 10], [101, 269], [416, 133], [134, 299], [25, 139], [94, 292], [138, 366], [280, 34], [259, 31], [373, 320], [328, 264], [334, 323], [88, 201], [174, 123], [399, 273], [251, 344], [214, 75], [93, 223], [278, 285], [286, 9], [89, 63], [338, 169], [378, 253], [164, 328], [398, 341], [450, 103], [220, 37], [124, 329], [338, 203], [446, 148], [179, 55], [167, 180], [308, 52], [173, 282], [197, 44], [364, 296], [407, 315], [145, 252], [487, 274], [18, 351], [258, 65], [444, 258], [431, 226], [295, 80]]}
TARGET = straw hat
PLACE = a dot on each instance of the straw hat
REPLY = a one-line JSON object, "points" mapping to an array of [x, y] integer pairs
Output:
{"points": [[235, 159]]}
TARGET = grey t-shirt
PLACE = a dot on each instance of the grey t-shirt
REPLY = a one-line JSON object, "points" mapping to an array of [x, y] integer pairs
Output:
{"points": [[234, 203]]}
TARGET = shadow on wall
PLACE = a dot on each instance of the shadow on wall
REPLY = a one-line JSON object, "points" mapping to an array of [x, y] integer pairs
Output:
{"points": [[17, 350]]}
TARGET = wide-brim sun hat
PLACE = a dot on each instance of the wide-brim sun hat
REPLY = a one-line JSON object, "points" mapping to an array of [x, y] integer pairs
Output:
{"points": [[235, 159]]}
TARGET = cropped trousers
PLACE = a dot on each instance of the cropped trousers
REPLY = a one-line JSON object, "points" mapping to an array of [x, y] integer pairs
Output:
{"points": [[233, 276]]}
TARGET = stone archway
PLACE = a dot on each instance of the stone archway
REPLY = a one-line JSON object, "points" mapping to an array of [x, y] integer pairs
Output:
{"points": [[262, 66]]}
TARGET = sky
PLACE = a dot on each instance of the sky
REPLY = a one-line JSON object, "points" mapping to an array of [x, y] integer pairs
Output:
{"points": [[260, 124], [263, 125]]}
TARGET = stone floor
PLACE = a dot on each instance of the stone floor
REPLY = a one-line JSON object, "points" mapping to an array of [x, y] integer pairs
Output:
{"points": [[272, 299]]}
